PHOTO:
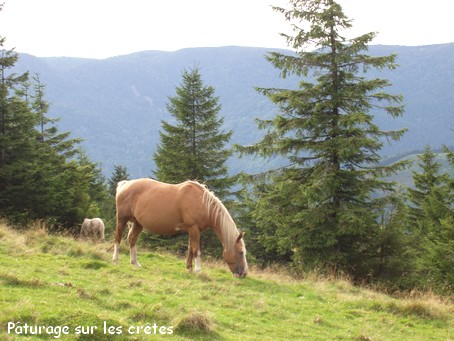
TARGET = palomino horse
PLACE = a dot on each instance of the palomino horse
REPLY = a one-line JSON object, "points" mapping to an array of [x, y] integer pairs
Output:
{"points": [[167, 209], [92, 227]]}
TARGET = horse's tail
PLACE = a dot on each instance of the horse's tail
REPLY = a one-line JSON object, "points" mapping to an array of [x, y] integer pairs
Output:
{"points": [[120, 187], [120, 184]]}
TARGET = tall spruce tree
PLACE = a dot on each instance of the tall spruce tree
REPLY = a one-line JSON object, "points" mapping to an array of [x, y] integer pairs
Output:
{"points": [[324, 206], [17, 136], [194, 147], [39, 175]]}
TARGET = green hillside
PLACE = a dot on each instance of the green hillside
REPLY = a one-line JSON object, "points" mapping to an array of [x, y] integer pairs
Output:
{"points": [[54, 281]]}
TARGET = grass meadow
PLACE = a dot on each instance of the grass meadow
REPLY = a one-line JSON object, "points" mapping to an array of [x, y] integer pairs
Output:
{"points": [[56, 287]]}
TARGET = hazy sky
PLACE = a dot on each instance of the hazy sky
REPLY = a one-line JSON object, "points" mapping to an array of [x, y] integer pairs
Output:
{"points": [[105, 28]]}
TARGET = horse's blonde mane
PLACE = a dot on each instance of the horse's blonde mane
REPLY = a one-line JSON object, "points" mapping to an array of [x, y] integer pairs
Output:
{"points": [[219, 214]]}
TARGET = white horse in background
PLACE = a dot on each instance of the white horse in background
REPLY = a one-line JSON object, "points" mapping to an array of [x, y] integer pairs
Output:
{"points": [[91, 228]]}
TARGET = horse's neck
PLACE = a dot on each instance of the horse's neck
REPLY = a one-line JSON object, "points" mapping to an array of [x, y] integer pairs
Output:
{"points": [[220, 220], [223, 226]]}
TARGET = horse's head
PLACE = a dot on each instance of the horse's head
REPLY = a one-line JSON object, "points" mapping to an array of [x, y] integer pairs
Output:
{"points": [[236, 257]]}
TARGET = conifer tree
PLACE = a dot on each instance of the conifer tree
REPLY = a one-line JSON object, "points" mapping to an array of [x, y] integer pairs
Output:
{"points": [[432, 222], [119, 173], [193, 148], [324, 206], [17, 135], [55, 194], [40, 177], [430, 198]]}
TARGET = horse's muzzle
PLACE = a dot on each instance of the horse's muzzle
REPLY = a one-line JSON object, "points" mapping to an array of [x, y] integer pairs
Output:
{"points": [[240, 274]]}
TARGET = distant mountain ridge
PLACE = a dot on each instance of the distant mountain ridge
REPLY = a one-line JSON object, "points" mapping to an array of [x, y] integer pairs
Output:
{"points": [[116, 104]]}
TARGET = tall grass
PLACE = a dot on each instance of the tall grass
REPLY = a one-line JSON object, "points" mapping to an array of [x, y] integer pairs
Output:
{"points": [[56, 280]]}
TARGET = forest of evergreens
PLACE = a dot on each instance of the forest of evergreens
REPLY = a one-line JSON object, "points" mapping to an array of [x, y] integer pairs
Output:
{"points": [[331, 209]]}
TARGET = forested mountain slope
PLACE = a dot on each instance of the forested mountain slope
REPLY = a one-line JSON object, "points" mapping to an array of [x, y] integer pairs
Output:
{"points": [[116, 105]]}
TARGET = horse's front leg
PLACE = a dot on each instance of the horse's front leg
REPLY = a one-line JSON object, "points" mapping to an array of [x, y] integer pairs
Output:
{"points": [[194, 248], [189, 258], [132, 238]]}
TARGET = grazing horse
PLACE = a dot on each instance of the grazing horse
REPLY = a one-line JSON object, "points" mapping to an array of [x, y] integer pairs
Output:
{"points": [[167, 209], [92, 227]]}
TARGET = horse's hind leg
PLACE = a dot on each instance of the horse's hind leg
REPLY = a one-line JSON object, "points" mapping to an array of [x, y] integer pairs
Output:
{"points": [[121, 223], [132, 238], [102, 233]]}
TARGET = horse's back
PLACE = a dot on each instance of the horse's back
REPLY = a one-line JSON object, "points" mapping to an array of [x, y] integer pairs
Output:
{"points": [[160, 206], [132, 195], [140, 189], [98, 223]]}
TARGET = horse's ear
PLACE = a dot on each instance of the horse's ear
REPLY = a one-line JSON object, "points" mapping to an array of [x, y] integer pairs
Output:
{"points": [[240, 236]]}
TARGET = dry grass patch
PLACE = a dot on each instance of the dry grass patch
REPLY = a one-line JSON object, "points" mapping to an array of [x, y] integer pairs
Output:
{"points": [[276, 273], [196, 322], [421, 308], [15, 281]]}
